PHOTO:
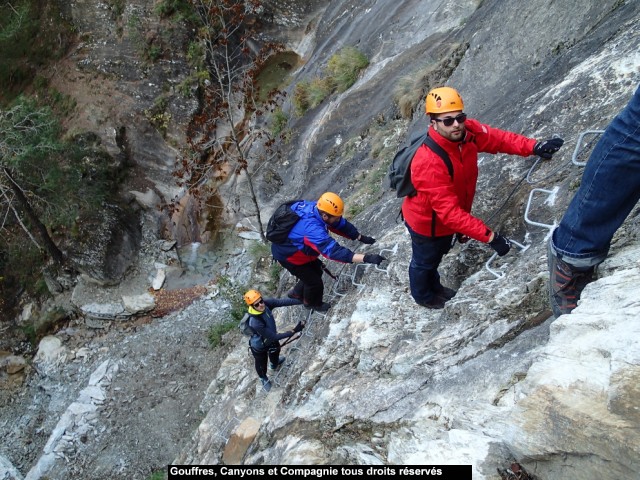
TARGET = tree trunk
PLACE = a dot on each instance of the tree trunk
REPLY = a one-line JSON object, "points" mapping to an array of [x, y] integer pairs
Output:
{"points": [[49, 245]]}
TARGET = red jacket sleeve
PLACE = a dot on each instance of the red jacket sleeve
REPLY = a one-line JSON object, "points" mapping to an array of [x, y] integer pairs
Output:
{"points": [[494, 140]]}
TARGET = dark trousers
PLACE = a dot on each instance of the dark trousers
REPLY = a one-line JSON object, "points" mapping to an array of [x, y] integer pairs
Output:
{"points": [[309, 286], [260, 358], [427, 253]]}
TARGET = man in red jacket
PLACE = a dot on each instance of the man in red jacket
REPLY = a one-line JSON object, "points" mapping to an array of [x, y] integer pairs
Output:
{"points": [[442, 206]]}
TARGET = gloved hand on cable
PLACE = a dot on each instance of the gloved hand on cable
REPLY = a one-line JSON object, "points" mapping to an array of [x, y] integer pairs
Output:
{"points": [[546, 148], [500, 244], [373, 258], [367, 240], [462, 238], [299, 326]]}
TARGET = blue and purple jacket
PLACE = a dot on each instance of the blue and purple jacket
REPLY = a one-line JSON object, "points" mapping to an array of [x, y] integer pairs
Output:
{"points": [[310, 238]]}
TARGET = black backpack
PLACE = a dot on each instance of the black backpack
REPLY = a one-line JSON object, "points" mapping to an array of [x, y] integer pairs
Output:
{"points": [[399, 173], [281, 222]]}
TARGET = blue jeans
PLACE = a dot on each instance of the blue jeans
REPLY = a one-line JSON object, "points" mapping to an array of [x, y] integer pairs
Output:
{"points": [[424, 278], [609, 190]]}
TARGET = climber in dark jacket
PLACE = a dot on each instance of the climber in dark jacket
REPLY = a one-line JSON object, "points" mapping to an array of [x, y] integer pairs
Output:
{"points": [[309, 238], [265, 341]]}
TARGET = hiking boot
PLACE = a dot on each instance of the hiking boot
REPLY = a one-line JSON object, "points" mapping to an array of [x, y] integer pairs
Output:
{"points": [[266, 383], [294, 295], [319, 308], [446, 293], [566, 283], [273, 366], [436, 303]]}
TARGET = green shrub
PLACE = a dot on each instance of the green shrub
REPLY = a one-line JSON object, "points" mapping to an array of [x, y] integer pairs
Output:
{"points": [[29, 41], [279, 121], [354, 210], [311, 94], [195, 55], [159, 475], [181, 9], [407, 95], [20, 265], [233, 293], [342, 71], [30, 332], [259, 250], [274, 276], [218, 330], [154, 52], [158, 116], [411, 90], [301, 98], [319, 89], [63, 104], [117, 7], [345, 66]]}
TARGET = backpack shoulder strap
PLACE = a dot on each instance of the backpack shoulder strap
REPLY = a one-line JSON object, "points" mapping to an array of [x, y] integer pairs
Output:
{"points": [[438, 150]]}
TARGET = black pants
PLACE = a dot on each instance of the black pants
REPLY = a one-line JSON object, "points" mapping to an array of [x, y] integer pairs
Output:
{"points": [[427, 253], [309, 286], [260, 358]]}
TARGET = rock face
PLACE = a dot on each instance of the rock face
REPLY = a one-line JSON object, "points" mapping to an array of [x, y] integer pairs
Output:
{"points": [[492, 379], [112, 242], [582, 385]]}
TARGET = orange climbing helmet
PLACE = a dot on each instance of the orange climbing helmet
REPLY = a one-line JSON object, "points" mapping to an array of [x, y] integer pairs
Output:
{"points": [[252, 296], [443, 100], [331, 204]]}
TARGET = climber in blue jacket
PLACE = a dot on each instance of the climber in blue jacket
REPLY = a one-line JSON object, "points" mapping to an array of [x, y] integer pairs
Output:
{"points": [[310, 238]]}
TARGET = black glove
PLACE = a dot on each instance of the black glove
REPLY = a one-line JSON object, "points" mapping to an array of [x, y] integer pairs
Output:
{"points": [[500, 244], [298, 327], [547, 148], [462, 238], [367, 240], [373, 258]]}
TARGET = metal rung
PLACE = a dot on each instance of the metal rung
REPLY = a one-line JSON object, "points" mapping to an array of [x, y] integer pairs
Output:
{"points": [[489, 269], [523, 248], [225, 432], [526, 212], [336, 285], [393, 251], [309, 330], [578, 149], [284, 368], [353, 276]]}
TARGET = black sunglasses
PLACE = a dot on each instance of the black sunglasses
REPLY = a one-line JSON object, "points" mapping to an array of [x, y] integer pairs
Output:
{"points": [[259, 302], [448, 121]]}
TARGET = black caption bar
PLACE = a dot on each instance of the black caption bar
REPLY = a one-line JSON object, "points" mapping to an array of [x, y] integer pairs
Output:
{"points": [[443, 472]]}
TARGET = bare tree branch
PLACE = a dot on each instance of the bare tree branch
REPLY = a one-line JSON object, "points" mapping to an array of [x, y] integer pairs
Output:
{"points": [[224, 133], [11, 208]]}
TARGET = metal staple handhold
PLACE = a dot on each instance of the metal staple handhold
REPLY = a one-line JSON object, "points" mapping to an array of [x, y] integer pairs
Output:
{"points": [[576, 151], [526, 212], [487, 265]]}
